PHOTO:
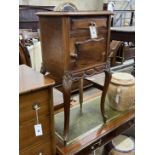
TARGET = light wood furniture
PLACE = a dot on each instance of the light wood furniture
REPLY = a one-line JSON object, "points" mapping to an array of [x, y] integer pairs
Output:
{"points": [[35, 90], [70, 54]]}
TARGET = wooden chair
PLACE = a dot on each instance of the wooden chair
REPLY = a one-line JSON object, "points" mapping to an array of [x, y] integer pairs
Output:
{"points": [[26, 39], [129, 53], [24, 57], [114, 51]]}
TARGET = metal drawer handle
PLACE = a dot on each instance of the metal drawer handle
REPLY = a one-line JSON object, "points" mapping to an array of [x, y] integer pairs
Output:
{"points": [[36, 107], [97, 144], [92, 23], [73, 55]]}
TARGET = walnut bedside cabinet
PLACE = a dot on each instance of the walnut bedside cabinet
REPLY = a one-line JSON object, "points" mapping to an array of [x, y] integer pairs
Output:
{"points": [[36, 115], [75, 45]]}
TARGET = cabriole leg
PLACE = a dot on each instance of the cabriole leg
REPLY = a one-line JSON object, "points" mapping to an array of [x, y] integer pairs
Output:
{"points": [[104, 92], [67, 83]]}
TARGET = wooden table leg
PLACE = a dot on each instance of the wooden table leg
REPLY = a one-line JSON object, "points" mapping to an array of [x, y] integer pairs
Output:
{"points": [[81, 92], [67, 83], [104, 92]]}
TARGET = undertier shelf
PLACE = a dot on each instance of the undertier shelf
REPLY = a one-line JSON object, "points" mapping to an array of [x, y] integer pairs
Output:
{"points": [[86, 121]]}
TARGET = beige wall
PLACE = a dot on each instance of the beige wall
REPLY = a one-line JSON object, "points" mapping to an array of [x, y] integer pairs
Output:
{"points": [[81, 4]]}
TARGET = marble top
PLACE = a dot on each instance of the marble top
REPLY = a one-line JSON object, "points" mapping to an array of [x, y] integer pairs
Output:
{"points": [[124, 29]]}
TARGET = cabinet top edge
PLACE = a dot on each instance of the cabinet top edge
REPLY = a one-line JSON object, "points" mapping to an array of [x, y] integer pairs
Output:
{"points": [[30, 80], [77, 13]]}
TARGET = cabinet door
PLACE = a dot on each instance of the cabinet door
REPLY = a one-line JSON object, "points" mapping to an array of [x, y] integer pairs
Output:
{"points": [[86, 52]]}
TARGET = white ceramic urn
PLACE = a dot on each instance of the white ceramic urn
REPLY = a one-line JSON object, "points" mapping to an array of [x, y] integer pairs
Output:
{"points": [[121, 91], [122, 145]]}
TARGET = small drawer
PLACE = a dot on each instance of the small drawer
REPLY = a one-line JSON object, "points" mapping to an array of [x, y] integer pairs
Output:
{"points": [[27, 101], [42, 149], [27, 133], [84, 23]]}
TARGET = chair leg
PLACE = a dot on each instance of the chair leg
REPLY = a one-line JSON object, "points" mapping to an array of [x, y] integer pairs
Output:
{"points": [[113, 61], [81, 92]]}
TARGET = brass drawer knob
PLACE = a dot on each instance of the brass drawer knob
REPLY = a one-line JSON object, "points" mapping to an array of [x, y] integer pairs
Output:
{"points": [[36, 106], [92, 23]]}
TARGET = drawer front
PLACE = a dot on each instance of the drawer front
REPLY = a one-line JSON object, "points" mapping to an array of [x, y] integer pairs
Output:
{"points": [[42, 149], [84, 23], [27, 135], [27, 101], [86, 33]]}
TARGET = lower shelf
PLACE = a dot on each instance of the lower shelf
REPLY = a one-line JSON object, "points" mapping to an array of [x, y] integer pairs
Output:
{"points": [[86, 121]]}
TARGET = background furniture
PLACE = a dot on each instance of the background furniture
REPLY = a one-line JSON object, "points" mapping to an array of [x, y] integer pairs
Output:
{"points": [[28, 18], [70, 54], [123, 18], [24, 57], [26, 36], [35, 91], [124, 33], [114, 50], [32, 49]]}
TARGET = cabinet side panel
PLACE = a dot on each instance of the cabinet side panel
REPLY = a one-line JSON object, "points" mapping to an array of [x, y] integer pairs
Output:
{"points": [[51, 42]]}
